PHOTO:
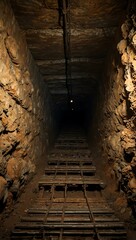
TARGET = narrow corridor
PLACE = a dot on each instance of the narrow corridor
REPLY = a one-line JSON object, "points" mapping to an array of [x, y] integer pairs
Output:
{"points": [[70, 204], [65, 66]]}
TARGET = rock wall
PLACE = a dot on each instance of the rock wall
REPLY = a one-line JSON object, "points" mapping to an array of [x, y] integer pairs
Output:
{"points": [[114, 122], [26, 125]]}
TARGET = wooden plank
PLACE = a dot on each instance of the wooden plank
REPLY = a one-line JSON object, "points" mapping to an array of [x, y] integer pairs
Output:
{"points": [[121, 234], [69, 160], [75, 211], [97, 207], [69, 148], [76, 200], [83, 225], [73, 168], [71, 180], [71, 218], [71, 142], [76, 151]]}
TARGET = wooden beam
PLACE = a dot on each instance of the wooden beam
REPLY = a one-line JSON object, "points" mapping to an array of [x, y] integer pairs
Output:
{"points": [[102, 31], [73, 60], [73, 77]]}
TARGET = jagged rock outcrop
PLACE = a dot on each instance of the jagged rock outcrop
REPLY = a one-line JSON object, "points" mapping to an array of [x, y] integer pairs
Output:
{"points": [[114, 122], [25, 117]]}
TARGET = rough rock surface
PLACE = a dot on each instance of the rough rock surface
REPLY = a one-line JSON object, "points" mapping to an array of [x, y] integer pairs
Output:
{"points": [[25, 117], [114, 123], [3, 187]]}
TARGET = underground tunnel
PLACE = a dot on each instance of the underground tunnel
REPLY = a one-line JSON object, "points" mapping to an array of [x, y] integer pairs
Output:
{"points": [[67, 110]]}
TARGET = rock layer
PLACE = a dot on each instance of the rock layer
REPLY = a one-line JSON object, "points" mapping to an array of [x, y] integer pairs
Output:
{"points": [[114, 123], [25, 117]]}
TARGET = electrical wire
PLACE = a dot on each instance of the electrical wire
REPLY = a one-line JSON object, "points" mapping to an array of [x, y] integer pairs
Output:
{"points": [[64, 13]]}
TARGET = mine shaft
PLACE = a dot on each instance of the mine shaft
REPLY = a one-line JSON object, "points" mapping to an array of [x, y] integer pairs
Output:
{"points": [[67, 119]]}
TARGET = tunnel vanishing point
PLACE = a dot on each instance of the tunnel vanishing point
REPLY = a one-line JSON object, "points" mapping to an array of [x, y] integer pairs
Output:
{"points": [[68, 64]]}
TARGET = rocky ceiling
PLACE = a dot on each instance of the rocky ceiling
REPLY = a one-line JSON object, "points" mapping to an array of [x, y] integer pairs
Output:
{"points": [[93, 27]]}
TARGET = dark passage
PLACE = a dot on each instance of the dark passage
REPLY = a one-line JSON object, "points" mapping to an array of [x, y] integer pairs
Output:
{"points": [[70, 204]]}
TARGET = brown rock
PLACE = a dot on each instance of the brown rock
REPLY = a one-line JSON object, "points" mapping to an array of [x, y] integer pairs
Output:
{"points": [[132, 184], [3, 165], [125, 58], [122, 45], [129, 84], [15, 186], [8, 141], [23, 168], [133, 162], [12, 49], [31, 167], [126, 169], [122, 109], [128, 140], [16, 168], [125, 29], [12, 121], [1, 127], [4, 120], [114, 141], [3, 184], [12, 168]]}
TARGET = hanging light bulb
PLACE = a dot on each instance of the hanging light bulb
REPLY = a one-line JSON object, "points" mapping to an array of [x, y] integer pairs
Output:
{"points": [[71, 103]]}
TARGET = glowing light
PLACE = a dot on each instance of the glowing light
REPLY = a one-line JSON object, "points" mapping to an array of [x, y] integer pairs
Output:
{"points": [[71, 100]]}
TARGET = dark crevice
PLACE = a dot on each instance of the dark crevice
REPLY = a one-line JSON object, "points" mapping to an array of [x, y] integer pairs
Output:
{"points": [[128, 156], [128, 104], [10, 152]]}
